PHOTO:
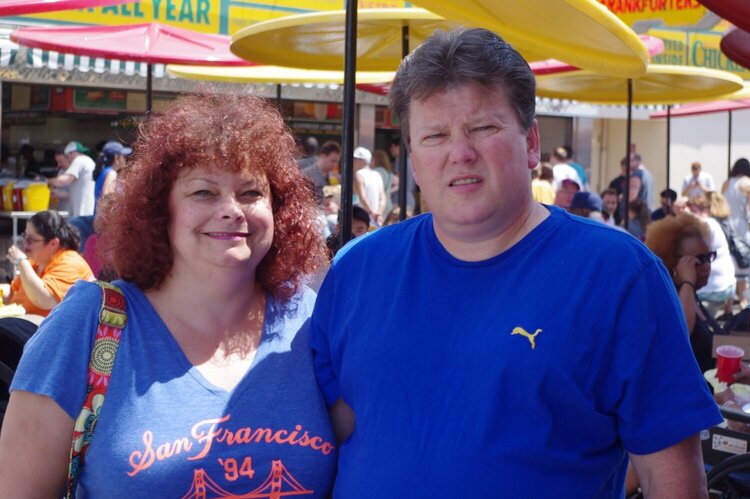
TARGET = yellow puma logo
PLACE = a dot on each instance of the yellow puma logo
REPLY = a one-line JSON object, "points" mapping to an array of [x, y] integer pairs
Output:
{"points": [[528, 335]]}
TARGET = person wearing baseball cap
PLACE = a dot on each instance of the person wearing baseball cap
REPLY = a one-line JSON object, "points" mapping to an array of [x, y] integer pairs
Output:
{"points": [[78, 177], [111, 160], [368, 185]]}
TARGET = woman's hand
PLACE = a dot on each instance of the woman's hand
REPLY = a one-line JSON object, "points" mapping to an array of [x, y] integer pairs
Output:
{"points": [[743, 375], [685, 270], [14, 254]]}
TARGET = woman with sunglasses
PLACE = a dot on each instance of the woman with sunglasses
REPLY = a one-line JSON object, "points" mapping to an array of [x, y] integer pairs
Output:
{"points": [[47, 267], [680, 242]]}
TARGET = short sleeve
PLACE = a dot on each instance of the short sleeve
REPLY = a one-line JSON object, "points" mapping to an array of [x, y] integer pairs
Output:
{"points": [[320, 341], [75, 168], [661, 397], [55, 360], [63, 272]]}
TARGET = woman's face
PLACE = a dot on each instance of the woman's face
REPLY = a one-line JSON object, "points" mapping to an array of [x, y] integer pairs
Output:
{"points": [[35, 247], [220, 219], [695, 246]]}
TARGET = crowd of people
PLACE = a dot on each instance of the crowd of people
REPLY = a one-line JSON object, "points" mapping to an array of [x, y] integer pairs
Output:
{"points": [[472, 374]]}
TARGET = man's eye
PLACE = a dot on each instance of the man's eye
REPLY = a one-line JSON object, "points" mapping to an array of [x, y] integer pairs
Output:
{"points": [[485, 128]]}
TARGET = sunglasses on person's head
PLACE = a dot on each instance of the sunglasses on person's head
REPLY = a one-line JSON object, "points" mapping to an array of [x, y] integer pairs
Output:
{"points": [[705, 258]]}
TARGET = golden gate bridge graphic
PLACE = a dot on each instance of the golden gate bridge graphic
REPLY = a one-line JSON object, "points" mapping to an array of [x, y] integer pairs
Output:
{"points": [[272, 487]]}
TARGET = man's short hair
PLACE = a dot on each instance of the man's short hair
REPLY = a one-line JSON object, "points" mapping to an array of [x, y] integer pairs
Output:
{"points": [[329, 147], [608, 192], [447, 59], [669, 193]]}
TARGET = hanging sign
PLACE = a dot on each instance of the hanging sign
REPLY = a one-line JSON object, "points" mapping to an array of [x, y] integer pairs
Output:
{"points": [[209, 16]]}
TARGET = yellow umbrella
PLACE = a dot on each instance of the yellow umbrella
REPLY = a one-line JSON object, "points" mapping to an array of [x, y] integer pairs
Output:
{"points": [[598, 41], [272, 74], [582, 33], [662, 84]]}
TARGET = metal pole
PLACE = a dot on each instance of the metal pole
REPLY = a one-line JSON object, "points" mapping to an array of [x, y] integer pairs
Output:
{"points": [[149, 86], [402, 166], [729, 145], [626, 188], [278, 96], [347, 173], [669, 140]]}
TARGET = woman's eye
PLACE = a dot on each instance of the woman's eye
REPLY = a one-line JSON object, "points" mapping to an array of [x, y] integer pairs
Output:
{"points": [[201, 193], [252, 193]]}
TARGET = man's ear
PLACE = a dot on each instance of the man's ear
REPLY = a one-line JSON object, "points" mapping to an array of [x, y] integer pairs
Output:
{"points": [[533, 145]]}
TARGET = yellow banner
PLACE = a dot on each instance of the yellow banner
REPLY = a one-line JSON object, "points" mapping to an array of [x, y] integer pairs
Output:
{"points": [[672, 13], [695, 49], [209, 16]]}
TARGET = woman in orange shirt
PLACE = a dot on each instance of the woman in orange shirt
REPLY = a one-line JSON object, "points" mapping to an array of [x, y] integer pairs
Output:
{"points": [[48, 265]]}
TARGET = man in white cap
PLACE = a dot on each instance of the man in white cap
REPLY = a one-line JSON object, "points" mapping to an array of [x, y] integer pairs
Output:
{"points": [[79, 177], [368, 185]]}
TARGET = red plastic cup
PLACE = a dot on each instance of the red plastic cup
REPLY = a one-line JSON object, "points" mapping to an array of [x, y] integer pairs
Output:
{"points": [[728, 358]]}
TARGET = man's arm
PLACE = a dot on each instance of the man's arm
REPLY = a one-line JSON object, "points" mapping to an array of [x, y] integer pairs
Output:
{"points": [[676, 471], [342, 419], [61, 180]]}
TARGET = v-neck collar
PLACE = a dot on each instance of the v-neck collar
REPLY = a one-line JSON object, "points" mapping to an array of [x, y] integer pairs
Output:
{"points": [[173, 346]]}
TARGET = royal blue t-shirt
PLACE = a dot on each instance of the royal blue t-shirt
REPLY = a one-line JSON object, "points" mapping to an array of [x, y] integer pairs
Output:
{"points": [[526, 375], [166, 431]]}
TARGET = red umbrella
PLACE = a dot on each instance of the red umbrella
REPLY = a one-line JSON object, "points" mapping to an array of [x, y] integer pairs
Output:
{"points": [[24, 7], [704, 108], [151, 43], [736, 12], [736, 46]]}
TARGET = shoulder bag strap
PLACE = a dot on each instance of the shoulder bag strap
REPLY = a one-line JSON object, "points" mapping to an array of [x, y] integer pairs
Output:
{"points": [[112, 320]]}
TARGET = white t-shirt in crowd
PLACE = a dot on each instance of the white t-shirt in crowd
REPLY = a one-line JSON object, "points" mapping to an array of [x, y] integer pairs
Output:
{"points": [[82, 189]]}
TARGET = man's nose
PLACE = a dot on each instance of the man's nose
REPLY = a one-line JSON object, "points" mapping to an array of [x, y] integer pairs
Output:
{"points": [[463, 150]]}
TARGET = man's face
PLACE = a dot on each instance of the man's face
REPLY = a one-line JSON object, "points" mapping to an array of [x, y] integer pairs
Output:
{"points": [[634, 164], [328, 162], [666, 204], [359, 228], [62, 161], [471, 159], [610, 202], [696, 170], [395, 150]]}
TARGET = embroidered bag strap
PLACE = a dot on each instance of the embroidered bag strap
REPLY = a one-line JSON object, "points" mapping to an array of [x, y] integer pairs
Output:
{"points": [[106, 341]]}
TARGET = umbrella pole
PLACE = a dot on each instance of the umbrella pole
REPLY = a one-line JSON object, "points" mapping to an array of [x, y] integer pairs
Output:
{"points": [[149, 86], [669, 139], [347, 173], [729, 145], [626, 190], [402, 166]]}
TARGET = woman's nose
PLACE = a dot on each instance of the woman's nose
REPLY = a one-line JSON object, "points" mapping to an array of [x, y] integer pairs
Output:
{"points": [[230, 207]]}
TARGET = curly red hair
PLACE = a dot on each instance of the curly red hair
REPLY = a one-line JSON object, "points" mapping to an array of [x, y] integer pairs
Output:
{"points": [[238, 132]]}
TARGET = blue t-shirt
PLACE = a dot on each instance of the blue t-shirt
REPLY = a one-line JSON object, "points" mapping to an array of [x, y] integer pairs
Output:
{"points": [[164, 430], [524, 375]]}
